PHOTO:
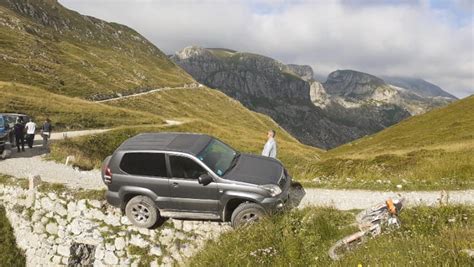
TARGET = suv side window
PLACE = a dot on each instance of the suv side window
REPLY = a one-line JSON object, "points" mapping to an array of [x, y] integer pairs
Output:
{"points": [[145, 164], [182, 167]]}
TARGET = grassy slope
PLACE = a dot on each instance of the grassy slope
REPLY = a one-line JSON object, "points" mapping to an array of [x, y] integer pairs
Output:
{"points": [[429, 151], [10, 254], [75, 55], [428, 237], [67, 112], [204, 111]]}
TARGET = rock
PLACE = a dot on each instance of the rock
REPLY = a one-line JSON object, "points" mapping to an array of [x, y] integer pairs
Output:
{"points": [[47, 204], [119, 243], [38, 228], [52, 196], [56, 259], [138, 241], [109, 247], [110, 258], [124, 220], [64, 250], [99, 253], [81, 205], [95, 203], [178, 224], [399, 186], [52, 228], [33, 181], [30, 199], [60, 210], [112, 220], [188, 226], [156, 251]]}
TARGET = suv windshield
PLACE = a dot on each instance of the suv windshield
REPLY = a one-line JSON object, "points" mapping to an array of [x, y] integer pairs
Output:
{"points": [[218, 156]]}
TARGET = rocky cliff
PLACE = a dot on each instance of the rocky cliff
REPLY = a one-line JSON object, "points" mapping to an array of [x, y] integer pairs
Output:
{"points": [[348, 105], [268, 86]]}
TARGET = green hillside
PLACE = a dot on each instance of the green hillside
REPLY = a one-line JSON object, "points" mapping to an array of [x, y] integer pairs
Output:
{"points": [[430, 151], [67, 112], [428, 236], [46, 45]]}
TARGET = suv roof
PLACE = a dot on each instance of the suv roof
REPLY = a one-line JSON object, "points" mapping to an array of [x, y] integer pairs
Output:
{"points": [[180, 142]]}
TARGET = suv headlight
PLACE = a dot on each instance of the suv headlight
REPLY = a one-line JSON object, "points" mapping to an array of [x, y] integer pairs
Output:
{"points": [[274, 190]]}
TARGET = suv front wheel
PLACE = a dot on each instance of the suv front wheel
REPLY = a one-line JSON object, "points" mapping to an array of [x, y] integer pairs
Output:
{"points": [[141, 212], [246, 213]]}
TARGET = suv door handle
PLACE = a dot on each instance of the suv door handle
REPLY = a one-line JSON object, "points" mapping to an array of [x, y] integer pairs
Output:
{"points": [[175, 184]]}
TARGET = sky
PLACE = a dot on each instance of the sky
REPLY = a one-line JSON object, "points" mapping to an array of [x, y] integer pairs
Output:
{"points": [[428, 39]]}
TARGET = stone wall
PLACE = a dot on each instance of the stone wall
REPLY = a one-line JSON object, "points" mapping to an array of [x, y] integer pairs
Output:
{"points": [[56, 229]]}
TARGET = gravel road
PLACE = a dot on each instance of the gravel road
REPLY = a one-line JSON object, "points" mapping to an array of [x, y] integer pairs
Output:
{"points": [[54, 172], [31, 162]]}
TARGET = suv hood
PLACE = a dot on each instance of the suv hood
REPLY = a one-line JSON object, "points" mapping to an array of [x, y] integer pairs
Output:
{"points": [[255, 169]]}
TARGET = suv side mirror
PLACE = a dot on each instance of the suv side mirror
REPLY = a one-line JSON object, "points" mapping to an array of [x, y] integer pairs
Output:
{"points": [[205, 179]]}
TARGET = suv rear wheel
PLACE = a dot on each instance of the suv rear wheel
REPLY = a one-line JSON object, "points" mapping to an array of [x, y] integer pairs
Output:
{"points": [[246, 213], [141, 212]]}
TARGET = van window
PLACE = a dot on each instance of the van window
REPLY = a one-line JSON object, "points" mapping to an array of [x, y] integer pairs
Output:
{"points": [[182, 167], [145, 164]]}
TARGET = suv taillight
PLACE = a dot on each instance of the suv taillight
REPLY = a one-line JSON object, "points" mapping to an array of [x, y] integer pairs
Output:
{"points": [[107, 175]]}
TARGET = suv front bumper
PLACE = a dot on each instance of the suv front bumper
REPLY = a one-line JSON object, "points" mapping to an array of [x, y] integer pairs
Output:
{"points": [[279, 202]]}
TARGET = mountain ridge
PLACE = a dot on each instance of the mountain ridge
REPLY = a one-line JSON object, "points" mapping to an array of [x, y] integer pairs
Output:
{"points": [[349, 105]]}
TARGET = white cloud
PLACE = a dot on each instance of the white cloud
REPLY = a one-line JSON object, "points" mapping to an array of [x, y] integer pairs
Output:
{"points": [[409, 39]]}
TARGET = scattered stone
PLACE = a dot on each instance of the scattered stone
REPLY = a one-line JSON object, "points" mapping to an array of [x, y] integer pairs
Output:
{"points": [[138, 241], [64, 251], [56, 259], [110, 258], [52, 196], [124, 220], [119, 243], [60, 210], [399, 186], [112, 220], [95, 203], [52, 228], [156, 251]]}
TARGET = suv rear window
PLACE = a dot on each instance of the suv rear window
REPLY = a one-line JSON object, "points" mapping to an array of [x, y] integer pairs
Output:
{"points": [[146, 164], [182, 167]]}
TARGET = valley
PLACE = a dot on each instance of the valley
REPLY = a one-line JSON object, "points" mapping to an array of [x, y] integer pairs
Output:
{"points": [[351, 141]]}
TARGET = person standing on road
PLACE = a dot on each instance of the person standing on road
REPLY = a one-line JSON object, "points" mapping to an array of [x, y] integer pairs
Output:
{"points": [[270, 148], [46, 132], [30, 133], [19, 130]]}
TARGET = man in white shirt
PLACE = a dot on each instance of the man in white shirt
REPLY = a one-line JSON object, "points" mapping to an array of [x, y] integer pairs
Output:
{"points": [[270, 148], [30, 133]]}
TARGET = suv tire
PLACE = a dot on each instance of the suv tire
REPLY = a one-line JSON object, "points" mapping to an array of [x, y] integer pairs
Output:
{"points": [[141, 212], [246, 213]]}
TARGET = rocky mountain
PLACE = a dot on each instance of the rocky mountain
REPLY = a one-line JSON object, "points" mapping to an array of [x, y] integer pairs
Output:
{"points": [[47, 45], [418, 86], [347, 106], [267, 86]]}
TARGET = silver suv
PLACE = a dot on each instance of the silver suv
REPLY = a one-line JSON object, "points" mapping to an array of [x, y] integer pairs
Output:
{"points": [[194, 176]]}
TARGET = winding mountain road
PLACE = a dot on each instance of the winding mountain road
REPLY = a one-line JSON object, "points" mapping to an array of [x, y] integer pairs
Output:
{"points": [[187, 86]]}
